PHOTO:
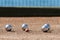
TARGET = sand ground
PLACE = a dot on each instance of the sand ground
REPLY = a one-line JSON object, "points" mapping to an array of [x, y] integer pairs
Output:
{"points": [[34, 23]]}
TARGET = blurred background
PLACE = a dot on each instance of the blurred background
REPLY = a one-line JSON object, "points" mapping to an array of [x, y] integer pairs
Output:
{"points": [[29, 8], [29, 3]]}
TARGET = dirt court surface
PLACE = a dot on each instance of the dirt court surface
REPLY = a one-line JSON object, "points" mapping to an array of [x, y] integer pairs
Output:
{"points": [[34, 23]]}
